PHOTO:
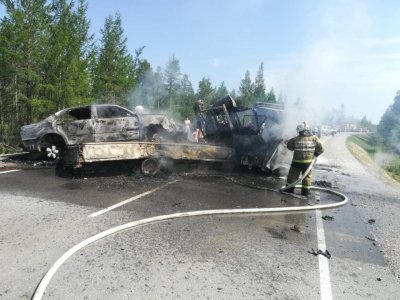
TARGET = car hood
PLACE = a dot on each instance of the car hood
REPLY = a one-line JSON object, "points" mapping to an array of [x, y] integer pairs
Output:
{"points": [[35, 130]]}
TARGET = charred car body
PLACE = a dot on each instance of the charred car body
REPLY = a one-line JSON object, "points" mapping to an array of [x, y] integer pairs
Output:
{"points": [[96, 123]]}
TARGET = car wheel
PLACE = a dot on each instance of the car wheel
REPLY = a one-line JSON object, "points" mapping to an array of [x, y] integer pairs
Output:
{"points": [[52, 147], [52, 152], [150, 166]]}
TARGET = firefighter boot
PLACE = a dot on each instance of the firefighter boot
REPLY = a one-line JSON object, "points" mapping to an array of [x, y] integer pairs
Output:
{"points": [[305, 192], [291, 190]]}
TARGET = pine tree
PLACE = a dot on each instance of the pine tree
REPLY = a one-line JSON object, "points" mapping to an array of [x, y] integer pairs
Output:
{"points": [[259, 85], [68, 56], [172, 77], [114, 74], [221, 92], [270, 97], [21, 44], [205, 91], [160, 92], [140, 66], [186, 98], [246, 90]]}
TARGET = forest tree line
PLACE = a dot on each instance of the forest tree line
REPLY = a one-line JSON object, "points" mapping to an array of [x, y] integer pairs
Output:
{"points": [[50, 61]]}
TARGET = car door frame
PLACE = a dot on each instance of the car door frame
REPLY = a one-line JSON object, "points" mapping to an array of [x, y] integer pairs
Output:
{"points": [[115, 127], [76, 131]]}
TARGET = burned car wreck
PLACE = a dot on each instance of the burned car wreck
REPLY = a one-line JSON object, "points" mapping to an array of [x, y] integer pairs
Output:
{"points": [[98, 133], [96, 123]]}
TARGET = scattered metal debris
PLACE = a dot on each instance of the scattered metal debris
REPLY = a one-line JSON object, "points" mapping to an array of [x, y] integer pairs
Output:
{"points": [[324, 253], [370, 238], [296, 228], [43, 164], [328, 218]]}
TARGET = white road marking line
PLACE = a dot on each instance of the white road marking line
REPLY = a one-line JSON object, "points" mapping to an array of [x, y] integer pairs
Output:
{"points": [[100, 212], [9, 171], [324, 276]]}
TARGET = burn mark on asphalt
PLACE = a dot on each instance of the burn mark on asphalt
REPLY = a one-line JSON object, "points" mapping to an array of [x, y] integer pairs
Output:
{"points": [[323, 183], [276, 234]]}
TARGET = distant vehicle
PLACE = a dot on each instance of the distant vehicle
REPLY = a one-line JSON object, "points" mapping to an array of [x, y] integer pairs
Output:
{"points": [[96, 123], [327, 130]]}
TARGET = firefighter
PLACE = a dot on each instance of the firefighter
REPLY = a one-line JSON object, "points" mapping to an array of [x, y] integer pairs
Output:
{"points": [[305, 147]]}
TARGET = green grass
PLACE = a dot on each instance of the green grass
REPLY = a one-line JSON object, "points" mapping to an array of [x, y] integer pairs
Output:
{"points": [[393, 168], [4, 149], [364, 143], [368, 144]]}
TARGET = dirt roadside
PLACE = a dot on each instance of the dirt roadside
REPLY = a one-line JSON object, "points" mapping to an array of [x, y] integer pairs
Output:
{"points": [[382, 205], [6, 165]]}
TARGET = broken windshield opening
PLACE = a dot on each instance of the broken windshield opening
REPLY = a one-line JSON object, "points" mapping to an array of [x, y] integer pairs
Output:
{"points": [[81, 113]]}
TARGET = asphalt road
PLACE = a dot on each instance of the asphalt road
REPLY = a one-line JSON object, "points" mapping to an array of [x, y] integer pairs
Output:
{"points": [[203, 257]]}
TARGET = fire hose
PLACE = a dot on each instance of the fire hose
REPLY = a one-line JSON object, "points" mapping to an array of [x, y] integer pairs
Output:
{"points": [[44, 282], [294, 184]]}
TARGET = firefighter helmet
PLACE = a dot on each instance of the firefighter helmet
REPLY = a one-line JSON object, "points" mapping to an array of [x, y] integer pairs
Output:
{"points": [[303, 127]]}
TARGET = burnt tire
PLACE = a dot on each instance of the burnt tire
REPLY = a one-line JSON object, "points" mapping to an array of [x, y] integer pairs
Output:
{"points": [[52, 146], [150, 166]]}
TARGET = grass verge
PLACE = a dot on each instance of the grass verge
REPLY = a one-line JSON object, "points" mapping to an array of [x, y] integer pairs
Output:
{"points": [[367, 156]]}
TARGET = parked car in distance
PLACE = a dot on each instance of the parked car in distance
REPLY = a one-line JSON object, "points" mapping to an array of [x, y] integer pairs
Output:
{"points": [[97, 123]]}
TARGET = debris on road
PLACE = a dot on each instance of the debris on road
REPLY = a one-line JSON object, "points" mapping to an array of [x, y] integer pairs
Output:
{"points": [[296, 228], [323, 183], [324, 253], [370, 238]]}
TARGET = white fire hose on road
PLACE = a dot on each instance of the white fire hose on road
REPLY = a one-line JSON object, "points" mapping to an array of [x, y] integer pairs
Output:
{"points": [[41, 288]]}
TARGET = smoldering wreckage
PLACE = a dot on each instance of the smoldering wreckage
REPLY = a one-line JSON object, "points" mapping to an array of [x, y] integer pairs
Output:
{"points": [[79, 136], [99, 133]]}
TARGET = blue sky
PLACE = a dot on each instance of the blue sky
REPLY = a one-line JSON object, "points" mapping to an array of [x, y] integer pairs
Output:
{"points": [[326, 53]]}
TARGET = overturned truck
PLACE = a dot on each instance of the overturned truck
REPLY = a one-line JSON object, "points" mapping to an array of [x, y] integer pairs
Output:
{"points": [[254, 133], [85, 135]]}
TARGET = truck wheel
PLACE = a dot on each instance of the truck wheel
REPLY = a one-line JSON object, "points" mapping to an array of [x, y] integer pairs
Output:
{"points": [[150, 166]]}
